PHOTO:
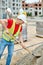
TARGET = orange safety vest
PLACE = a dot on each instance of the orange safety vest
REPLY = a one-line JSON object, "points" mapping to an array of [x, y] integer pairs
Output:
{"points": [[11, 30]]}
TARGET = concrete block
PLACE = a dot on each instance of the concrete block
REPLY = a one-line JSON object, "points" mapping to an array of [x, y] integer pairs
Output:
{"points": [[39, 29]]}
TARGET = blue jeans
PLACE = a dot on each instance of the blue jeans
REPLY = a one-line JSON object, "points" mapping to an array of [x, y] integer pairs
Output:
{"points": [[10, 45]]}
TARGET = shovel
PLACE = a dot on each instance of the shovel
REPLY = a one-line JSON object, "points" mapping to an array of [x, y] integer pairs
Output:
{"points": [[29, 51], [13, 37]]}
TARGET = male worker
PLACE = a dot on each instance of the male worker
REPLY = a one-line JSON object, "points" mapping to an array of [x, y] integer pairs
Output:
{"points": [[13, 28], [24, 26]]}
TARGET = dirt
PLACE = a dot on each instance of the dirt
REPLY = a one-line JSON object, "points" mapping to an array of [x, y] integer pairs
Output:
{"points": [[32, 60]]}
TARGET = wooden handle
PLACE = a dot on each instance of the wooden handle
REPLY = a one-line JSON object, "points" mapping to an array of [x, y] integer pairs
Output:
{"points": [[29, 51]]}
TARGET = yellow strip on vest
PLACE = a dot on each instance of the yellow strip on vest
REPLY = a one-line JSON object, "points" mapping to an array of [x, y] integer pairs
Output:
{"points": [[11, 30]]}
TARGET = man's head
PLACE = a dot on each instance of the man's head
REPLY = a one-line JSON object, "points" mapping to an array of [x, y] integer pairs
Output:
{"points": [[21, 19]]}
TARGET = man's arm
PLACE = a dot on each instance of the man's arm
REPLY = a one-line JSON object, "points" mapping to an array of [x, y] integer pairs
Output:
{"points": [[21, 40], [23, 46]]}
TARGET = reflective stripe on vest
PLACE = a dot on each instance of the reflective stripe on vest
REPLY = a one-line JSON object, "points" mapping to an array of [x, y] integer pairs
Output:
{"points": [[11, 30], [17, 33]]}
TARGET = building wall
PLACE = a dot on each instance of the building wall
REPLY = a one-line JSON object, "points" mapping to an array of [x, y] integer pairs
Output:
{"points": [[2, 8], [15, 5], [34, 8], [42, 7]]}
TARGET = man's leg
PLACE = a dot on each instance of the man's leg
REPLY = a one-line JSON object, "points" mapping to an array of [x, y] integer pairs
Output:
{"points": [[10, 53], [2, 46]]}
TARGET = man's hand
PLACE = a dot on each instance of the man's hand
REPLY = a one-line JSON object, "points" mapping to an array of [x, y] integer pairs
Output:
{"points": [[7, 31], [22, 45]]}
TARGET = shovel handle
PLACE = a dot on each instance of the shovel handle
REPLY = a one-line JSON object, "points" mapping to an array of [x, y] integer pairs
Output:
{"points": [[29, 51]]}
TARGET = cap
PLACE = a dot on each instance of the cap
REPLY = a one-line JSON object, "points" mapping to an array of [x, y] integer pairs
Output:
{"points": [[22, 17]]}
